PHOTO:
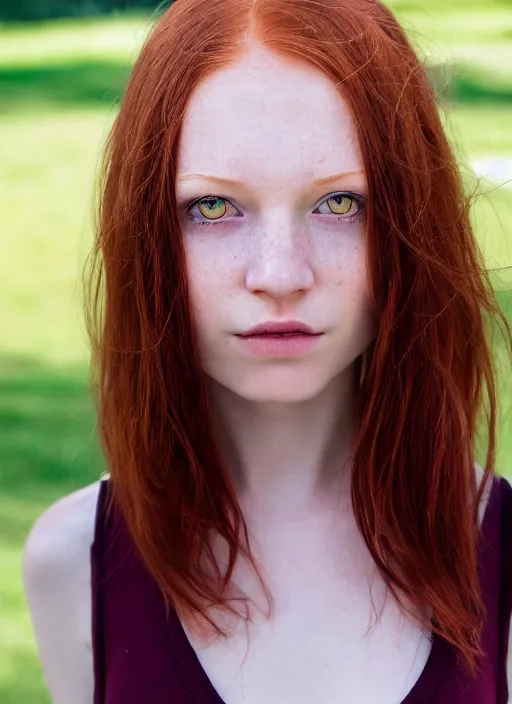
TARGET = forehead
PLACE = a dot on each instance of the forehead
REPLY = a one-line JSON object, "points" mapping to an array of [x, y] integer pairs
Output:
{"points": [[266, 116]]}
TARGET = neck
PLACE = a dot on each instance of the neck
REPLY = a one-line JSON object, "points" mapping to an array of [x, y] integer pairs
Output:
{"points": [[285, 460]]}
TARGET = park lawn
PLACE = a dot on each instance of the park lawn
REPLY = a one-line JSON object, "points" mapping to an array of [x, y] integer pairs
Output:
{"points": [[60, 81]]}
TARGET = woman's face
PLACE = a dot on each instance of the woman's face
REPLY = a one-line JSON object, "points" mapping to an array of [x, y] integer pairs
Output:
{"points": [[269, 235]]}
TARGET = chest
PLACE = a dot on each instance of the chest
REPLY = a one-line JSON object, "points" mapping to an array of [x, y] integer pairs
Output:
{"points": [[316, 655], [323, 642]]}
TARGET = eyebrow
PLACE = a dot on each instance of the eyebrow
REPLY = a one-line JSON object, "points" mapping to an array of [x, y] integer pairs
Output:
{"points": [[231, 182]]}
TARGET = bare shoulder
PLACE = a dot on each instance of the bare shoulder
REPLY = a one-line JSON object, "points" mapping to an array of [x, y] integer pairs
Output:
{"points": [[56, 578], [70, 518]]}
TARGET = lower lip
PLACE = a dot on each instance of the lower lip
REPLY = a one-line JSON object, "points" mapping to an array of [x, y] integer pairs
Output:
{"points": [[279, 345]]}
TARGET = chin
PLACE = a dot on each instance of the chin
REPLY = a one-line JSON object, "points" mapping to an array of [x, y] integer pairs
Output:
{"points": [[279, 386]]}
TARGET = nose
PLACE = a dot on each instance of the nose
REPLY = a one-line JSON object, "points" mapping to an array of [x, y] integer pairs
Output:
{"points": [[281, 264]]}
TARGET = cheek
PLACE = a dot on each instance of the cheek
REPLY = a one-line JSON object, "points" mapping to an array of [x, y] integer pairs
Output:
{"points": [[338, 244], [212, 259], [344, 271], [343, 262], [201, 290], [210, 275]]}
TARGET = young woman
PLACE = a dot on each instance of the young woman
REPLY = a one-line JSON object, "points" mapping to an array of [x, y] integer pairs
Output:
{"points": [[289, 328]]}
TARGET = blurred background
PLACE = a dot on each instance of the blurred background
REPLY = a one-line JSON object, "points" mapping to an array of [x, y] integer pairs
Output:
{"points": [[63, 67]]}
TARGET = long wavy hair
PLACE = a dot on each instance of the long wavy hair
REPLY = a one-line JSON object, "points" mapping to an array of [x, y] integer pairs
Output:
{"points": [[414, 491]]}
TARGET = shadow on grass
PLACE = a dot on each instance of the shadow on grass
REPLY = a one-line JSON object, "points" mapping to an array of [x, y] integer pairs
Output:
{"points": [[102, 83], [70, 84], [48, 444]]}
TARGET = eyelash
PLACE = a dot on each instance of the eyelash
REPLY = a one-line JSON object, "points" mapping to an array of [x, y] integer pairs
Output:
{"points": [[354, 195]]}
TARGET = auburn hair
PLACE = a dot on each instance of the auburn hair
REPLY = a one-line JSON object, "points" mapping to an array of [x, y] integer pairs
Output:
{"points": [[414, 490]]}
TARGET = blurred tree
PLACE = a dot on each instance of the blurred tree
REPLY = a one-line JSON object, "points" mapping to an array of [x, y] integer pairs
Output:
{"points": [[30, 10]]}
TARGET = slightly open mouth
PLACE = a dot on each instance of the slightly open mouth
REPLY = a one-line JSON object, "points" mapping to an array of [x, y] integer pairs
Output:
{"points": [[279, 334], [297, 333]]}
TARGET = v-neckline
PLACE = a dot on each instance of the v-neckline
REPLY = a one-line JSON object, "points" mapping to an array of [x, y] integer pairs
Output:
{"points": [[441, 656]]}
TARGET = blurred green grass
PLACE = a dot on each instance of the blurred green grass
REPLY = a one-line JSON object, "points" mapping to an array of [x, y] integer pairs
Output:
{"points": [[60, 83]]}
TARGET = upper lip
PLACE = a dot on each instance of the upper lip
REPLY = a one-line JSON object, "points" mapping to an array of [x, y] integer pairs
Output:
{"points": [[277, 327]]}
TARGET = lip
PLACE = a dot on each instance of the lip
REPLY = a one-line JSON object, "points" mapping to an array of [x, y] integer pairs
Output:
{"points": [[275, 327], [281, 340]]}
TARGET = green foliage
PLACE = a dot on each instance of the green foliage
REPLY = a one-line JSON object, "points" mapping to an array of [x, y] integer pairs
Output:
{"points": [[30, 10]]}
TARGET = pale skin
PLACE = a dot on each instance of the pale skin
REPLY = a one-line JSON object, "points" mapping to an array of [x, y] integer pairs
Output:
{"points": [[275, 252]]}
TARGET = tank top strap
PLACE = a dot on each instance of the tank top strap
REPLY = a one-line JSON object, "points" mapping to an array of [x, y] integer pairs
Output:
{"points": [[134, 656], [103, 513], [110, 555], [505, 606]]}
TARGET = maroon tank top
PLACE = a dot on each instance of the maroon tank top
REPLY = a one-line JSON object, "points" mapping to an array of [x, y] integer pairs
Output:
{"points": [[140, 657]]}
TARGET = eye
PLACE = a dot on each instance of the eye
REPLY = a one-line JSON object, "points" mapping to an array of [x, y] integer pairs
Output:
{"points": [[348, 205], [211, 209]]}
